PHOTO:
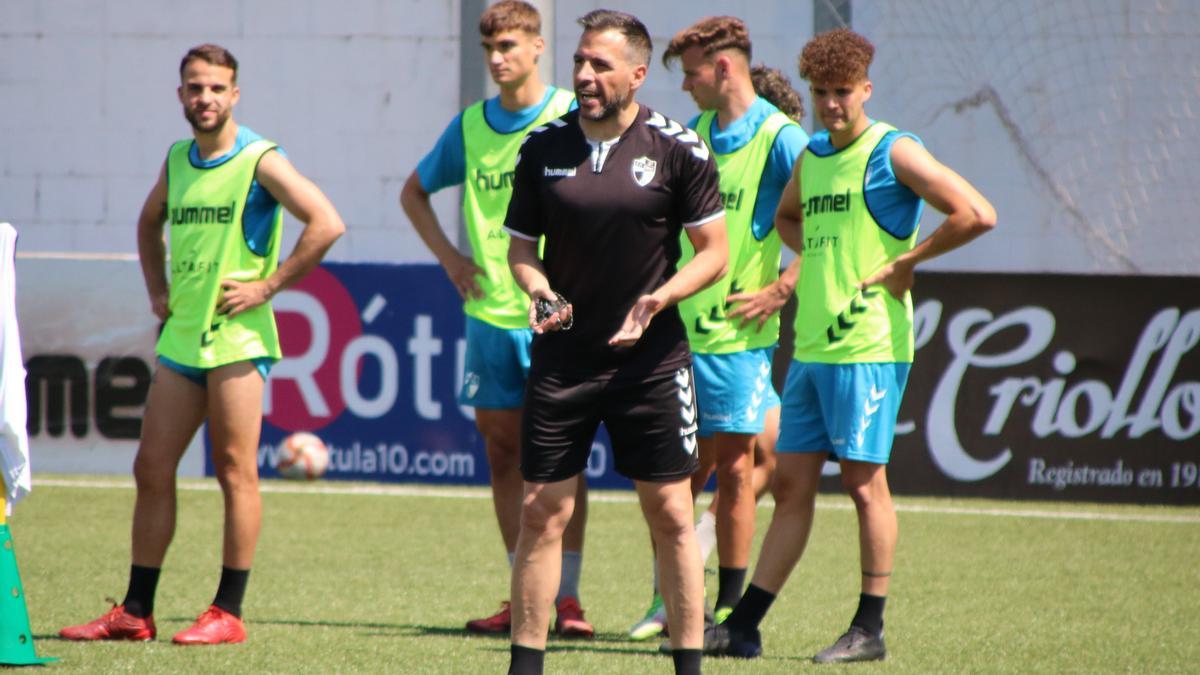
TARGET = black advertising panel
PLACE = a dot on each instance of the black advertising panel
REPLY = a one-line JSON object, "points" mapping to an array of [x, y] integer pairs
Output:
{"points": [[1038, 386]]}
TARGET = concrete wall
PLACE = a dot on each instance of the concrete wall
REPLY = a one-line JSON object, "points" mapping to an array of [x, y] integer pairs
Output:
{"points": [[355, 91], [1078, 119]]}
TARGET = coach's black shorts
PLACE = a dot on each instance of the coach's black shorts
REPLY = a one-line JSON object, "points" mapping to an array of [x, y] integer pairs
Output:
{"points": [[652, 423]]}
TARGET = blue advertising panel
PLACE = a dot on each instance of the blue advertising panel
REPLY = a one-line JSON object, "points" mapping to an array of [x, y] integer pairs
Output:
{"points": [[373, 357]]}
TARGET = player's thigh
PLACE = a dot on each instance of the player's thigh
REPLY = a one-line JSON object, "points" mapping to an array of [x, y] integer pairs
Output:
{"points": [[500, 428], [235, 394], [652, 424], [558, 425], [802, 424], [496, 366], [860, 403], [764, 443], [175, 408], [734, 391]]}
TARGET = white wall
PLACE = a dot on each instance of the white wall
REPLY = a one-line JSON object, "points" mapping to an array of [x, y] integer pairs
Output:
{"points": [[1077, 118], [355, 91]]}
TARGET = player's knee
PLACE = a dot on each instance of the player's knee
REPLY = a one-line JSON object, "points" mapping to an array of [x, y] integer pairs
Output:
{"points": [[866, 494], [792, 491], [233, 472], [503, 458], [734, 472], [545, 517], [152, 474], [671, 521]]}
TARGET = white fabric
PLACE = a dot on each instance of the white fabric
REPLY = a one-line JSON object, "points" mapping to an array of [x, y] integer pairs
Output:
{"points": [[14, 440]]}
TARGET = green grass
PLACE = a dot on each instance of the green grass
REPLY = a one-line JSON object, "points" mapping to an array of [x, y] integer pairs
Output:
{"points": [[383, 582]]}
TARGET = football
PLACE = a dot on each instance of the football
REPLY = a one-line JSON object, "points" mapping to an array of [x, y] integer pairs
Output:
{"points": [[302, 456]]}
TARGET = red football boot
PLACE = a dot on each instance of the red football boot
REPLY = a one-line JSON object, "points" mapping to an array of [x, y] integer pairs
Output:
{"points": [[570, 621], [215, 626], [117, 624], [500, 622]]}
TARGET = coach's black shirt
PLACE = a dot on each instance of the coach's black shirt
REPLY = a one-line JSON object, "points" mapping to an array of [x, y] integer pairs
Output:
{"points": [[612, 215]]}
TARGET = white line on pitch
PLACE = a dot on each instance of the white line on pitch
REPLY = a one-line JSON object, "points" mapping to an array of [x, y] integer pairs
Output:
{"points": [[833, 503]]}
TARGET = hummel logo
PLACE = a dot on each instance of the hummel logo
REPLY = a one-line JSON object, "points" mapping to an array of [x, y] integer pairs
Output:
{"points": [[688, 413], [683, 377], [870, 407], [669, 127], [558, 173]]}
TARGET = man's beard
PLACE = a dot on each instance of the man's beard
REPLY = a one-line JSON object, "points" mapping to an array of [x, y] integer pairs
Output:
{"points": [[193, 118], [608, 109]]}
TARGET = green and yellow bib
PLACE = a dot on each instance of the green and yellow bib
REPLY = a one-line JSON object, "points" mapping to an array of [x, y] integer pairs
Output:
{"points": [[843, 244], [490, 159], [207, 245], [753, 263]]}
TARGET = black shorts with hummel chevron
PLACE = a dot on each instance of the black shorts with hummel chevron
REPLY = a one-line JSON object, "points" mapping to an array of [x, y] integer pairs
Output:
{"points": [[651, 421]]}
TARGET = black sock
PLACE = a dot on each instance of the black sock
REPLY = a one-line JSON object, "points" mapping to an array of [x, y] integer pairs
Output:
{"points": [[139, 599], [687, 661], [869, 616], [231, 590], [526, 660], [751, 609], [729, 585]]}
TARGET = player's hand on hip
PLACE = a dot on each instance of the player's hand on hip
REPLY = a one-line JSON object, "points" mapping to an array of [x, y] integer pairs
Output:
{"points": [[897, 277], [758, 305], [160, 304], [636, 321], [562, 316], [239, 296], [463, 272]]}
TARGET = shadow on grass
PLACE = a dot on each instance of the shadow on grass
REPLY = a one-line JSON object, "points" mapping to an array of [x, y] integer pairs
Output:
{"points": [[614, 643]]}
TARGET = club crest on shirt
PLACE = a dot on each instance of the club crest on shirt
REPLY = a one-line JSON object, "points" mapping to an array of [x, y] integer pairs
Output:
{"points": [[643, 170]]}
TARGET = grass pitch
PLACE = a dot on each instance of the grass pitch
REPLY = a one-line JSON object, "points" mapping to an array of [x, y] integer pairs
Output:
{"points": [[366, 578]]}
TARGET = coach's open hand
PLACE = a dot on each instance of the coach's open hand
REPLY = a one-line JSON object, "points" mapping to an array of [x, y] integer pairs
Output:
{"points": [[238, 296], [636, 321]]}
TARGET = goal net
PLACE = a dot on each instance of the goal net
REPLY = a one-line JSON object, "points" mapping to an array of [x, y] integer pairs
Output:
{"points": [[1076, 118]]}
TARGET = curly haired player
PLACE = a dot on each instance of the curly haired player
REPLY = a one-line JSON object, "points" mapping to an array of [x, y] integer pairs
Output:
{"points": [[851, 212]]}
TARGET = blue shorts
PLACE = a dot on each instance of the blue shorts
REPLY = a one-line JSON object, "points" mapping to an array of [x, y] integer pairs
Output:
{"points": [[848, 409], [497, 366], [200, 375], [734, 391]]}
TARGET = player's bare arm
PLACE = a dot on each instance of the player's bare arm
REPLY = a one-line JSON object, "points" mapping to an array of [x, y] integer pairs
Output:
{"points": [[760, 305], [151, 248], [322, 227], [461, 269], [527, 269], [968, 213], [789, 217], [709, 265]]}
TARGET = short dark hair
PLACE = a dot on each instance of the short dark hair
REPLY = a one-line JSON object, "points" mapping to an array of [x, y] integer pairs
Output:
{"points": [[211, 54], [510, 15], [711, 34], [836, 56], [626, 24]]}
